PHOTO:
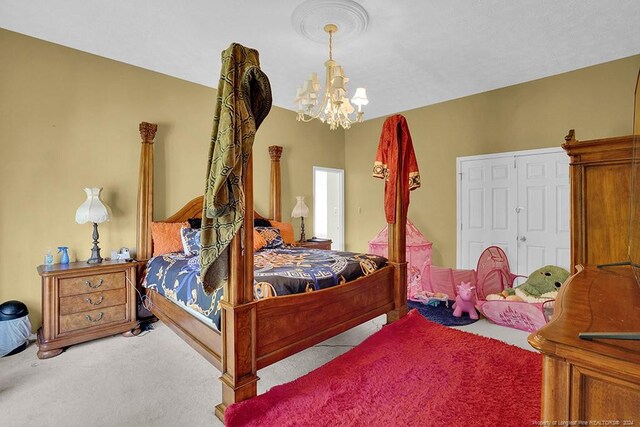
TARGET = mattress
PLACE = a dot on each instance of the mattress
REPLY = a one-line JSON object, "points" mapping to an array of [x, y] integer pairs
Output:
{"points": [[176, 276], [282, 271]]}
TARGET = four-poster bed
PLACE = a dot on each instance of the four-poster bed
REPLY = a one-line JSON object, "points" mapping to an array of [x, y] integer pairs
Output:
{"points": [[257, 333]]}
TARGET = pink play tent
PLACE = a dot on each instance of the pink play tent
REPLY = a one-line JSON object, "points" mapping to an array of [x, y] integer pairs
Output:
{"points": [[418, 254], [491, 276]]}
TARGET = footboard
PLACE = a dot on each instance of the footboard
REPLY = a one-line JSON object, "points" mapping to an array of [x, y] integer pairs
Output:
{"points": [[199, 335], [291, 323]]}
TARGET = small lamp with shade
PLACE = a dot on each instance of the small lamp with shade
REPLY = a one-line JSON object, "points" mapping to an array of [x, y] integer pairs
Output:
{"points": [[300, 210], [95, 211]]}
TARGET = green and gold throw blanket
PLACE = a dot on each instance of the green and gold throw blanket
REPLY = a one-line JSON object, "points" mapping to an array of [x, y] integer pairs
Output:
{"points": [[242, 103]]}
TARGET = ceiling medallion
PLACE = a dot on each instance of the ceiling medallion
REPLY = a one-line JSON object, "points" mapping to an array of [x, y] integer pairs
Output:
{"points": [[310, 17]]}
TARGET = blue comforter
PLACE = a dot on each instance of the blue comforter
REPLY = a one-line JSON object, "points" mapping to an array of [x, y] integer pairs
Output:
{"points": [[281, 271]]}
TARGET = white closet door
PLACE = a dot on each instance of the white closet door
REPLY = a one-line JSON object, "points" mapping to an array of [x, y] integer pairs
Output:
{"points": [[518, 201], [543, 217], [487, 202]]}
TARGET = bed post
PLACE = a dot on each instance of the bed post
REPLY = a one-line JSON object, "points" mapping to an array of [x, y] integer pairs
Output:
{"points": [[239, 351], [275, 195], [397, 248], [144, 212]]}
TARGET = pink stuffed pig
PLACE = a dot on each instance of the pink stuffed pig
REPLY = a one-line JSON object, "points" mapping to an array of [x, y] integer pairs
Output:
{"points": [[465, 301]]}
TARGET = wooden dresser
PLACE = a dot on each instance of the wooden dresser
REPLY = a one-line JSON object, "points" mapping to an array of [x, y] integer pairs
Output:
{"points": [[82, 302], [594, 382], [600, 175]]}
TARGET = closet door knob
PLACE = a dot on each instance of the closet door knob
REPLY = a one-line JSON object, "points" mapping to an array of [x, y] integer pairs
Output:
{"points": [[523, 238]]}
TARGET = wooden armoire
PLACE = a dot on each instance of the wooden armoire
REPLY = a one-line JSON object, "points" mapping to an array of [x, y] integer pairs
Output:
{"points": [[595, 382]]}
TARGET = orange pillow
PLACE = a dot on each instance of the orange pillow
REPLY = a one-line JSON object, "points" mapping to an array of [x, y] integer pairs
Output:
{"points": [[286, 231], [166, 237], [258, 241]]}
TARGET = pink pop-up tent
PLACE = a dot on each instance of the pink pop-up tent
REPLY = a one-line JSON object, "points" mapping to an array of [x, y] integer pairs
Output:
{"points": [[418, 254]]}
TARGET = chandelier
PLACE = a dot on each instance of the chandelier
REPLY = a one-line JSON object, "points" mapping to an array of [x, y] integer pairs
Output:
{"points": [[335, 108]]}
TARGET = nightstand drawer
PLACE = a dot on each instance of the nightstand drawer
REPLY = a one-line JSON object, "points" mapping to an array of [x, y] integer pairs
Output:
{"points": [[92, 301], [90, 319], [315, 244], [88, 284]]}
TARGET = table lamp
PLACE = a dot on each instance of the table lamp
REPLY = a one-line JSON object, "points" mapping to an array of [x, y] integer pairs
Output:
{"points": [[301, 211], [93, 210]]}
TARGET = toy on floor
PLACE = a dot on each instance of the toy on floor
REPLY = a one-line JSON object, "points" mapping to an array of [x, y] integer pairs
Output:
{"points": [[431, 298], [529, 306], [492, 275], [542, 285], [465, 301]]}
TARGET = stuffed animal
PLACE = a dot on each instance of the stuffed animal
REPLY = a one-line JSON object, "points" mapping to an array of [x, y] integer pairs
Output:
{"points": [[465, 301], [542, 285]]}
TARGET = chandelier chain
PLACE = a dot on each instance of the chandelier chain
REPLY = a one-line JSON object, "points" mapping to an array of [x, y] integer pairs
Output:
{"points": [[330, 45]]}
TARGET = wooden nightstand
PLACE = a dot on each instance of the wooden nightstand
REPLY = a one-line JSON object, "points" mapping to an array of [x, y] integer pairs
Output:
{"points": [[315, 244], [82, 302]]}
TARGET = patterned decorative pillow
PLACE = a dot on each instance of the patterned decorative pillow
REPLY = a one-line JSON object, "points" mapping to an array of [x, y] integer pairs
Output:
{"points": [[190, 240], [286, 231], [272, 236]]}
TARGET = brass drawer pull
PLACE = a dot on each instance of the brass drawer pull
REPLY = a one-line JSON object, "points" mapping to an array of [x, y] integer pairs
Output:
{"points": [[91, 285], [98, 301], [97, 319]]}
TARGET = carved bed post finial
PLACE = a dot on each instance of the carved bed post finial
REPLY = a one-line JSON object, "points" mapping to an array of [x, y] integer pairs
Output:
{"points": [[144, 215], [275, 198], [275, 152], [148, 132]]}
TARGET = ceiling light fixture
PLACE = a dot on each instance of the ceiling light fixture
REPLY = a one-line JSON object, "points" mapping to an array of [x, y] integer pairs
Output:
{"points": [[335, 108]]}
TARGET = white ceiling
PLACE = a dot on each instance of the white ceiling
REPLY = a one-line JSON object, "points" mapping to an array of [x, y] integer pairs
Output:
{"points": [[413, 52]]}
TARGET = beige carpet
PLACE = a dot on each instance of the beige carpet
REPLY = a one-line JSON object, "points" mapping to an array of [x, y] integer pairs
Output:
{"points": [[151, 380]]}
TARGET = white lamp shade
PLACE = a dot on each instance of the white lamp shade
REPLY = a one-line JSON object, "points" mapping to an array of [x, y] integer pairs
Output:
{"points": [[339, 82], [300, 210], [360, 97], [315, 82], [93, 209], [307, 87]]}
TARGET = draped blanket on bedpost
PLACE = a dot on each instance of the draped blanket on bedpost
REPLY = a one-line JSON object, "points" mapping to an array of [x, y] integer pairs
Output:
{"points": [[396, 163], [395, 150], [242, 103]]}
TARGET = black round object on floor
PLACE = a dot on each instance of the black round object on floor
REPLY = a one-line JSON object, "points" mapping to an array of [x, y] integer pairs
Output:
{"points": [[15, 327], [13, 309]]}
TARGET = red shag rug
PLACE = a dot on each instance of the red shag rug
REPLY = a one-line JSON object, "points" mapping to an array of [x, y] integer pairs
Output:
{"points": [[412, 372]]}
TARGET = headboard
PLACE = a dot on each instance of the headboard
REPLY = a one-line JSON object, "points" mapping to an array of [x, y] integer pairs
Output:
{"points": [[193, 208]]}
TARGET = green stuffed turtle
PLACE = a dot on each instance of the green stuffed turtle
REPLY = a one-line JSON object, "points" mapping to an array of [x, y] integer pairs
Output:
{"points": [[543, 284]]}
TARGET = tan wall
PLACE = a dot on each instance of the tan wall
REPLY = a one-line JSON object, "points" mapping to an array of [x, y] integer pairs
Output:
{"points": [[596, 101], [69, 120]]}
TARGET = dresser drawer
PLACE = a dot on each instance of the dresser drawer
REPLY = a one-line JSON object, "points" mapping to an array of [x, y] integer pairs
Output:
{"points": [[90, 319], [90, 284], [93, 301]]}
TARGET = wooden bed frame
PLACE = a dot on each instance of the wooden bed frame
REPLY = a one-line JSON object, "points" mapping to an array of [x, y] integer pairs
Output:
{"points": [[257, 333]]}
